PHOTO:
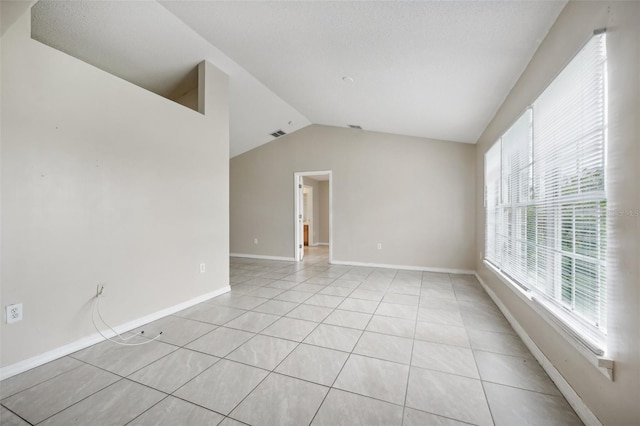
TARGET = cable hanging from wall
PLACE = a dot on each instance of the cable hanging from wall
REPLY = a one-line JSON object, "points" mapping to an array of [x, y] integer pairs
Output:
{"points": [[123, 340]]}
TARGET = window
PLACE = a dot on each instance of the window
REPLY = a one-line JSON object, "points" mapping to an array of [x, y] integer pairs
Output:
{"points": [[545, 197]]}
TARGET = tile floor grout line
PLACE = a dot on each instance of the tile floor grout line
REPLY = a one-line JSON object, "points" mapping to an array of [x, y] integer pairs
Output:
{"points": [[177, 348], [345, 362], [444, 372], [149, 408], [194, 377], [523, 389], [413, 344], [99, 368], [350, 328], [16, 414], [135, 371], [440, 415], [348, 357], [80, 400], [195, 403], [302, 341], [376, 280], [269, 372], [4, 398], [484, 391], [273, 371], [508, 355]]}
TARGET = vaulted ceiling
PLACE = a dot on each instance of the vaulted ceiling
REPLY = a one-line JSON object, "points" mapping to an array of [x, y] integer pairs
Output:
{"points": [[433, 69]]}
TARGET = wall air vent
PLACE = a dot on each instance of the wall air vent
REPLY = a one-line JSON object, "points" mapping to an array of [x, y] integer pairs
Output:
{"points": [[355, 126], [278, 133]]}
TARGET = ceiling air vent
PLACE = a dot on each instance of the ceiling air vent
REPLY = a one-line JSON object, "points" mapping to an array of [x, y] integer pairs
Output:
{"points": [[355, 126], [278, 133]]}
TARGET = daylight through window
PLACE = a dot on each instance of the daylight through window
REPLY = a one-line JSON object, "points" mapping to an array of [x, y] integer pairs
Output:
{"points": [[545, 197]]}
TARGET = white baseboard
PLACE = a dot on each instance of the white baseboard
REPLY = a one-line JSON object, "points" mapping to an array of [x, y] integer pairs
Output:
{"points": [[405, 267], [564, 387], [322, 244], [36, 361], [260, 256]]}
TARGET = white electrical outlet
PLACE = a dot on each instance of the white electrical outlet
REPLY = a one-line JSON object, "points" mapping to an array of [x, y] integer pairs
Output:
{"points": [[255, 241], [14, 313], [203, 268], [379, 246], [100, 290]]}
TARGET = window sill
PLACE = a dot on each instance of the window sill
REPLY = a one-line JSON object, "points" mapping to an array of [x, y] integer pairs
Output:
{"points": [[600, 361]]}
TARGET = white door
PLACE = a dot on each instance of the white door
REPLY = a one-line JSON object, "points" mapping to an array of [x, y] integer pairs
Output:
{"points": [[300, 218]]}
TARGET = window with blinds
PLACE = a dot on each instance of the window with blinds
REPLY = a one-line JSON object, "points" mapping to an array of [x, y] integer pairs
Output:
{"points": [[545, 197]]}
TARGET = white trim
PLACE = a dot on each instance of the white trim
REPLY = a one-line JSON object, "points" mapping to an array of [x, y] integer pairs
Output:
{"points": [[298, 237], [405, 267], [296, 231], [322, 244], [260, 256], [602, 363], [38, 360], [331, 240], [581, 409]]}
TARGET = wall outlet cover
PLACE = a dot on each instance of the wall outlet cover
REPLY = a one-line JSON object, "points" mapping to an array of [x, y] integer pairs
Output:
{"points": [[14, 313]]}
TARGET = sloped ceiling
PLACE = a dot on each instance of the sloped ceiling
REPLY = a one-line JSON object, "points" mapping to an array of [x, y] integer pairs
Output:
{"points": [[144, 43], [434, 69]]}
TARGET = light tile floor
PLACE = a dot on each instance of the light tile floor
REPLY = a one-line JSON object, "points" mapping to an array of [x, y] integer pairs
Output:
{"points": [[306, 343]]}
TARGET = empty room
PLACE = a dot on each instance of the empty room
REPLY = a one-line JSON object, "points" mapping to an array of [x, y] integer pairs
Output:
{"points": [[320, 213]]}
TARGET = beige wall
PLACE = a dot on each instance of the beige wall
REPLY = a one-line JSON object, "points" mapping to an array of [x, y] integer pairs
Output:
{"points": [[189, 99], [413, 195], [103, 182], [323, 206], [614, 403]]}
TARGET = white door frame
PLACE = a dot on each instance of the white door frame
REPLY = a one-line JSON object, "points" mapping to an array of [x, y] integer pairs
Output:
{"points": [[298, 230]]}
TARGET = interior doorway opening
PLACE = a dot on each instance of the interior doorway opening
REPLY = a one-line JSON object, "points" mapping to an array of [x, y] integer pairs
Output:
{"points": [[310, 237], [313, 218]]}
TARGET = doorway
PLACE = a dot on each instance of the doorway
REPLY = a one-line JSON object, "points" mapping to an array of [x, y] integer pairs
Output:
{"points": [[309, 206], [319, 226]]}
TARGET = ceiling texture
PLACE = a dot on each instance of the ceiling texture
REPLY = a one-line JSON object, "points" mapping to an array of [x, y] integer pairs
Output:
{"points": [[432, 69]]}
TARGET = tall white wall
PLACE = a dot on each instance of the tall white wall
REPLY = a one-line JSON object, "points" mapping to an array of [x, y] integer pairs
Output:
{"points": [[413, 195], [613, 402], [103, 182]]}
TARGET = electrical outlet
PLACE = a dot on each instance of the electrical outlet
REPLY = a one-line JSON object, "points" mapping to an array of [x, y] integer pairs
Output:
{"points": [[203, 268], [100, 290], [255, 241], [14, 313], [379, 246]]}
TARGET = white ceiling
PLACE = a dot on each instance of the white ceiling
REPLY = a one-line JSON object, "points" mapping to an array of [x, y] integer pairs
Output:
{"points": [[435, 69], [144, 43]]}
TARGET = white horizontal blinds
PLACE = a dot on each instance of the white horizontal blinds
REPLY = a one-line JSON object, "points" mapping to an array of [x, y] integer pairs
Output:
{"points": [[570, 203], [517, 249], [492, 201], [545, 196]]}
